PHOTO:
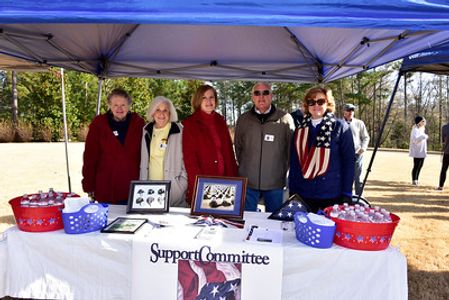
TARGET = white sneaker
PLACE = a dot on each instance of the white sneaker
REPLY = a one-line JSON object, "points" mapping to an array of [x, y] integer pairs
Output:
{"points": [[439, 188], [415, 182]]}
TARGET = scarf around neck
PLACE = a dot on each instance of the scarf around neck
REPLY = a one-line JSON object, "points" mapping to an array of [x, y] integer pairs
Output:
{"points": [[314, 160]]}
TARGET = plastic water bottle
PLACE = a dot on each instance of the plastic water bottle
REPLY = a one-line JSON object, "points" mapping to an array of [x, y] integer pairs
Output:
{"points": [[335, 212], [25, 200], [351, 216], [386, 215], [378, 218]]}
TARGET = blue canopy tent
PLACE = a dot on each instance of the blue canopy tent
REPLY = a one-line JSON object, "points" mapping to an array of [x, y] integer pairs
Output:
{"points": [[308, 41], [289, 40], [434, 60]]}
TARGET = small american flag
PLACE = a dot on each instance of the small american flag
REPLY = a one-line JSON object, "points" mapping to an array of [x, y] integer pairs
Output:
{"points": [[211, 221], [314, 160], [289, 208]]}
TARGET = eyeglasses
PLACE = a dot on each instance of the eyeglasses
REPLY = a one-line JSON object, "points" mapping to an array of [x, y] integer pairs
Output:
{"points": [[265, 93], [320, 102]]}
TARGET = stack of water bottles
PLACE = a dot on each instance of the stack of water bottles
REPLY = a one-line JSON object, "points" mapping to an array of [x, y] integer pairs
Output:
{"points": [[43, 199], [41, 211], [362, 227], [360, 213]]}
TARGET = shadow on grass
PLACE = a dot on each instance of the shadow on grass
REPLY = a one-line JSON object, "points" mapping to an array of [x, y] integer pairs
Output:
{"points": [[9, 219], [427, 284], [402, 198]]}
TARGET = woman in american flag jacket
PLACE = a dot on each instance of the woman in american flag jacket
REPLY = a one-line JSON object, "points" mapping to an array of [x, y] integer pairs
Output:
{"points": [[322, 153]]}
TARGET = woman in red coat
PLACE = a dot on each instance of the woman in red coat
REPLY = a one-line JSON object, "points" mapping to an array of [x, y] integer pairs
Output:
{"points": [[206, 143], [112, 151]]}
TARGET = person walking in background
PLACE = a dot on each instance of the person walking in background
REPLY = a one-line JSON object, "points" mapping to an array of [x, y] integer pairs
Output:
{"points": [[322, 154], [112, 151], [206, 142], [262, 139], [418, 147], [161, 154], [361, 141], [445, 165]]}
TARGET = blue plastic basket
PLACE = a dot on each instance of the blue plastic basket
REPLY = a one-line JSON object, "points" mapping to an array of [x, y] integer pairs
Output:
{"points": [[91, 217], [311, 234]]}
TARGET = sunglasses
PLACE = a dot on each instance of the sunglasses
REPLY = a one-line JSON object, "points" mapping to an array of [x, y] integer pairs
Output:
{"points": [[311, 102], [265, 93]]}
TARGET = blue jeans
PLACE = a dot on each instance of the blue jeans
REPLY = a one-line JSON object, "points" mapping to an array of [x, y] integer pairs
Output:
{"points": [[357, 173], [272, 198]]}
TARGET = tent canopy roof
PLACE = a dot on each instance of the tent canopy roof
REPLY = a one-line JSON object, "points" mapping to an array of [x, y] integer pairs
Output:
{"points": [[313, 41], [435, 61]]}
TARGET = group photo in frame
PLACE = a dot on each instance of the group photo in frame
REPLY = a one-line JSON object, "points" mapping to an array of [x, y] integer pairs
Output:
{"points": [[219, 196], [124, 225], [148, 196]]}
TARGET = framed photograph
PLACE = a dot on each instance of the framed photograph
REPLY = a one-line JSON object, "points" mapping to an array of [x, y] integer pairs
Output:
{"points": [[148, 196], [219, 196], [124, 225]]}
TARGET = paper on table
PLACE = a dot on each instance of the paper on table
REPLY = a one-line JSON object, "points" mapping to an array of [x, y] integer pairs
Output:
{"points": [[266, 235], [74, 204]]}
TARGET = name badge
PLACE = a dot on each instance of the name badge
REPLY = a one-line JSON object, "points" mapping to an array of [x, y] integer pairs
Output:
{"points": [[163, 144], [269, 138], [115, 132]]}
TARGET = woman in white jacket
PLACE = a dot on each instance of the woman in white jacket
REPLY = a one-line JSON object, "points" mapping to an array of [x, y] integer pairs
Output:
{"points": [[161, 153], [418, 147]]}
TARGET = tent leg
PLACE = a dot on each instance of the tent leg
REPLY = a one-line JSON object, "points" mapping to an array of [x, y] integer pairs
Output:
{"points": [[379, 137], [100, 85], [66, 135]]}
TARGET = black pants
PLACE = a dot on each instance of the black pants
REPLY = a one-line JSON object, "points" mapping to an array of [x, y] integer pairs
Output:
{"points": [[417, 166], [317, 204], [444, 169]]}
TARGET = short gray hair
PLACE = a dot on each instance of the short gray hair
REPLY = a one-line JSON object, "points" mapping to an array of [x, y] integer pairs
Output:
{"points": [[267, 84], [154, 104]]}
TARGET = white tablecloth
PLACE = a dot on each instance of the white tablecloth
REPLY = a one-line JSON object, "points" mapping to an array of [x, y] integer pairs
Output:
{"points": [[55, 265]]}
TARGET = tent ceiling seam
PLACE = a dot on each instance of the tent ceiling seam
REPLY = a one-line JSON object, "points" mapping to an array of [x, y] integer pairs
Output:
{"points": [[307, 55], [215, 64], [367, 41], [105, 61], [22, 47], [71, 58], [362, 43]]}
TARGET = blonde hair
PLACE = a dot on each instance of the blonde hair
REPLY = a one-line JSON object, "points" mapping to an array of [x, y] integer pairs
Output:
{"points": [[198, 96], [323, 90], [155, 103]]}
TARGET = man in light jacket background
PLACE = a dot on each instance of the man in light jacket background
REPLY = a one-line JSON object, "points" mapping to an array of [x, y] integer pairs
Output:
{"points": [[361, 141]]}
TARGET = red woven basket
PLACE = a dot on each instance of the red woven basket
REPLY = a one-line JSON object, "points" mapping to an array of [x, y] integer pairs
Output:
{"points": [[363, 236], [37, 219]]}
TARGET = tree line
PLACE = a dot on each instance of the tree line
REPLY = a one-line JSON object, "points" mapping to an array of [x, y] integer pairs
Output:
{"points": [[38, 107]]}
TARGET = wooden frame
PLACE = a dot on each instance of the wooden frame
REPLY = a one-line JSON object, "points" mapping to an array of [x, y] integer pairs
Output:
{"points": [[219, 196]]}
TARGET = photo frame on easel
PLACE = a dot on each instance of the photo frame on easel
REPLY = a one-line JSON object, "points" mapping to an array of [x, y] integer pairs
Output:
{"points": [[219, 196], [149, 196]]}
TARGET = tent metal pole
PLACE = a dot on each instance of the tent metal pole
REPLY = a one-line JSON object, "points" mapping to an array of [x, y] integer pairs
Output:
{"points": [[66, 136], [100, 85], [379, 137]]}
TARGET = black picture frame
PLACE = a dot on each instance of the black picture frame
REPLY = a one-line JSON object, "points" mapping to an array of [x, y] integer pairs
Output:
{"points": [[124, 225], [149, 196], [222, 197]]}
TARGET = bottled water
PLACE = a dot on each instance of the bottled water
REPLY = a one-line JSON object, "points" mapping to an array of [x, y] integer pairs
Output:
{"points": [[360, 213]]}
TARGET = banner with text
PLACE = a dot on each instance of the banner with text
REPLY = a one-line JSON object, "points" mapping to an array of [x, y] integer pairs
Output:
{"points": [[181, 264]]}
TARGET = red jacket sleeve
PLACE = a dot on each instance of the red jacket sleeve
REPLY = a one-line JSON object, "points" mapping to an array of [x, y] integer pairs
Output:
{"points": [[91, 156], [190, 158]]}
